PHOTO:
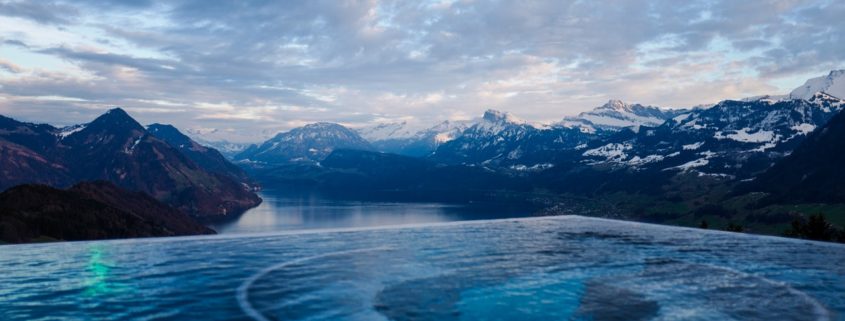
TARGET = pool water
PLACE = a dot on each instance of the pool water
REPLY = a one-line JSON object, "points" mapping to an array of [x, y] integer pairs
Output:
{"points": [[563, 268]]}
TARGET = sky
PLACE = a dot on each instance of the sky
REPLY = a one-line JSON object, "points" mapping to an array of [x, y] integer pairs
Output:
{"points": [[244, 70]]}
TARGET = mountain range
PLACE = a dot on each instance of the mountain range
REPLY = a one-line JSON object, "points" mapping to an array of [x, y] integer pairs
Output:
{"points": [[310, 143], [398, 138], [116, 148], [733, 139], [684, 159], [616, 115]]}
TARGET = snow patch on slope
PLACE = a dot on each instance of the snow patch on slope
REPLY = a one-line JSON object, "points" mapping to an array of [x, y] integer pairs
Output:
{"points": [[638, 161], [743, 135], [70, 130], [612, 151], [693, 146], [804, 129]]}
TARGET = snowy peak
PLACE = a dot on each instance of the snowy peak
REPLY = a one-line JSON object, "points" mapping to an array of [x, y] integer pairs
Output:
{"points": [[495, 122], [446, 131], [832, 84], [227, 148], [825, 100], [495, 116], [399, 138], [320, 132], [311, 142], [324, 127], [614, 104], [385, 131], [770, 99], [616, 114], [229, 136]]}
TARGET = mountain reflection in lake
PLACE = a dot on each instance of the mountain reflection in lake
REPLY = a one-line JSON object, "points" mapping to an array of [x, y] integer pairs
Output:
{"points": [[284, 210]]}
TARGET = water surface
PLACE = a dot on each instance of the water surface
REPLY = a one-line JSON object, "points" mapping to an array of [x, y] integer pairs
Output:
{"points": [[557, 268], [289, 209]]}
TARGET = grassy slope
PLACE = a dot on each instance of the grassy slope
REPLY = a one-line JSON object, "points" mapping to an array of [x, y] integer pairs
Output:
{"points": [[689, 200]]}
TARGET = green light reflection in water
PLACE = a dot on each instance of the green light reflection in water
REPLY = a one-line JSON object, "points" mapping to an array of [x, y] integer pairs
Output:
{"points": [[100, 279], [97, 282]]}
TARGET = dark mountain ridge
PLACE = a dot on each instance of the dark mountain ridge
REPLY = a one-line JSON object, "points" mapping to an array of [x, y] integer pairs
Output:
{"points": [[87, 211], [114, 147], [208, 158]]}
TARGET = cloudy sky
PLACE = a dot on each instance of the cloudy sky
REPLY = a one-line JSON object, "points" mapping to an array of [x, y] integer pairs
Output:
{"points": [[251, 68]]}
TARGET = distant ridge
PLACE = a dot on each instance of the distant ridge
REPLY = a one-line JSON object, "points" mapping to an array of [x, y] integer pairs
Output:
{"points": [[310, 143]]}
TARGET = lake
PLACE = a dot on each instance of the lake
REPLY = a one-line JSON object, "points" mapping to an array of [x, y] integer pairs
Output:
{"points": [[549, 268], [290, 209]]}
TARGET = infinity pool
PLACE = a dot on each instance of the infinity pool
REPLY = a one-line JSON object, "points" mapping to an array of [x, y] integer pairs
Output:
{"points": [[555, 268]]}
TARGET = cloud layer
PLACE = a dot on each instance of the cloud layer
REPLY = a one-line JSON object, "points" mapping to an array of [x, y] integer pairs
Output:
{"points": [[251, 68]]}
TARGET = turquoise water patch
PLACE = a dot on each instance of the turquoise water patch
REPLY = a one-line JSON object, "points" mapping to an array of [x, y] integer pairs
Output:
{"points": [[526, 298]]}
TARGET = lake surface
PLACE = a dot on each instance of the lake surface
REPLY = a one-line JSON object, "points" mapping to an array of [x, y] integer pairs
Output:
{"points": [[284, 210], [556, 268]]}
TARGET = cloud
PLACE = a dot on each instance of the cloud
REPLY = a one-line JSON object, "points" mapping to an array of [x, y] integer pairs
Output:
{"points": [[10, 67], [279, 63], [43, 12]]}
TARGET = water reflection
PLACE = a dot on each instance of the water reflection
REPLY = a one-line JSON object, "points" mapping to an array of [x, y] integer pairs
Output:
{"points": [[296, 210], [99, 272]]}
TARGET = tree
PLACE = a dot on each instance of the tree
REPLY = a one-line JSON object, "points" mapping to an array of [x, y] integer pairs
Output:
{"points": [[816, 228], [732, 227]]}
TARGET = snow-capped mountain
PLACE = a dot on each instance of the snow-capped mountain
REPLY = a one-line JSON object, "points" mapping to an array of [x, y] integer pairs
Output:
{"points": [[732, 138], [493, 137], [501, 139], [446, 131], [229, 141], [387, 131], [765, 98], [310, 143], [400, 139], [615, 115], [231, 134], [225, 147], [833, 84]]}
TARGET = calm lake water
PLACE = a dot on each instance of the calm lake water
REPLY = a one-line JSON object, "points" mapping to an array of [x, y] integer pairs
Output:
{"points": [[556, 268], [284, 210]]}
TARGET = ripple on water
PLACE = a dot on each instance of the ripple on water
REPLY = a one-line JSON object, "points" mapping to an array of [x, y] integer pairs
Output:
{"points": [[555, 268]]}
